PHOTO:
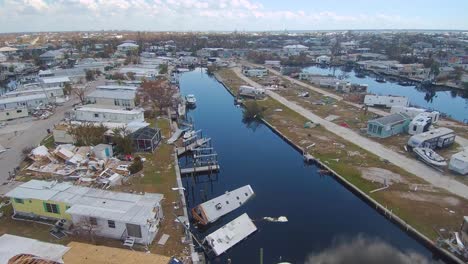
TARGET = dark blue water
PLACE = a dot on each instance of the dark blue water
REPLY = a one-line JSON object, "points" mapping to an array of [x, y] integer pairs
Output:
{"points": [[448, 102], [319, 209]]}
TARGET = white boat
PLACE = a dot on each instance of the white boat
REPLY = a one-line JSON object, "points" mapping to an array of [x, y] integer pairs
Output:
{"points": [[212, 210], [189, 134], [190, 99], [430, 156], [230, 234]]}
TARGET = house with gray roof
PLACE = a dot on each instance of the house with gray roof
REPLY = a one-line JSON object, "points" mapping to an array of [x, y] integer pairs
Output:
{"points": [[388, 126]]}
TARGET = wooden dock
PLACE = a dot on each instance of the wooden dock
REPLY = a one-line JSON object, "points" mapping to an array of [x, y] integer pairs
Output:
{"points": [[192, 146], [199, 169]]}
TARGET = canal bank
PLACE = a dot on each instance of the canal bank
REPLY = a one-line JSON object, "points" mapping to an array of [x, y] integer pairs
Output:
{"points": [[384, 211], [319, 210]]}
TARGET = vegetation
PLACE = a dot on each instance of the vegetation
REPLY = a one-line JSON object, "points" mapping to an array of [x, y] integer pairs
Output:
{"points": [[123, 141], [252, 112], [67, 89], [87, 134], [90, 75], [131, 76], [136, 166], [159, 93], [163, 69], [81, 92]]}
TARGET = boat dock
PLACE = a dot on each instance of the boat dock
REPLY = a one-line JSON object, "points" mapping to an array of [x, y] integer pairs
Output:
{"points": [[190, 147], [201, 169]]}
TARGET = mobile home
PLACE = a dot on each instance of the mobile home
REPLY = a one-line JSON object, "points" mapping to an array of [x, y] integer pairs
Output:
{"points": [[9, 114], [255, 72], [250, 91], [459, 162], [114, 215], [96, 113], [385, 100], [29, 101], [387, 126], [437, 138], [112, 98]]}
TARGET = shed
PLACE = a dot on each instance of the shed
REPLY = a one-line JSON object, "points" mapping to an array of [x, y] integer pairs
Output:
{"points": [[146, 139], [387, 126]]}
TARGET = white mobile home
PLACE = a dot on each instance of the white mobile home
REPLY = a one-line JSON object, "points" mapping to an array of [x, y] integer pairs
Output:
{"points": [[54, 81], [9, 114], [95, 113], [50, 92], [250, 91], [459, 162], [117, 87], [437, 138], [112, 98], [255, 72], [273, 63], [385, 100], [29, 101], [412, 112]]}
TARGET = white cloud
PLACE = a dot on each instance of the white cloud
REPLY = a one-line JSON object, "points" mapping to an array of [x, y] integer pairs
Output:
{"points": [[41, 15]]}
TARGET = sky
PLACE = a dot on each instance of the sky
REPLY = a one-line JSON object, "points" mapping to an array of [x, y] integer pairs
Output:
{"points": [[229, 15]]}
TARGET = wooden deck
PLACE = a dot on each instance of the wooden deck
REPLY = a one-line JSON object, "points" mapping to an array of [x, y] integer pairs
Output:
{"points": [[199, 169]]}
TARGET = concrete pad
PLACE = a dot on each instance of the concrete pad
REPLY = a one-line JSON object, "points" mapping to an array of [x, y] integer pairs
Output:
{"points": [[11, 246]]}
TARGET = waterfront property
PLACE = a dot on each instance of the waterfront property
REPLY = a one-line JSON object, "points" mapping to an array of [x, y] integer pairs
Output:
{"points": [[109, 214], [412, 112], [385, 100], [388, 126]]}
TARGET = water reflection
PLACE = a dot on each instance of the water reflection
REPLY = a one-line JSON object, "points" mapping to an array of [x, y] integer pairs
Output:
{"points": [[362, 249]]}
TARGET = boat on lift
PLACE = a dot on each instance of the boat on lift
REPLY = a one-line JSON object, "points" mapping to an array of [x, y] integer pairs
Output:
{"points": [[190, 134], [430, 157]]}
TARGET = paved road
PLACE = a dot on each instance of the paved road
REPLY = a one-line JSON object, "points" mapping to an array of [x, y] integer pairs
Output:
{"points": [[460, 140], [29, 133], [415, 167]]}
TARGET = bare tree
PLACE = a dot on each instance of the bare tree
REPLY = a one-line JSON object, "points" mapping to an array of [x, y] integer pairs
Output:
{"points": [[159, 93], [87, 225], [80, 92]]}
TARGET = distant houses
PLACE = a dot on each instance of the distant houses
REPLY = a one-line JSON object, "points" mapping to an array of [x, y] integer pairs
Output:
{"points": [[125, 47]]}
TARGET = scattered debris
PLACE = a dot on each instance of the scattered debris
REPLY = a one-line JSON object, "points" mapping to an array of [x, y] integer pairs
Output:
{"points": [[281, 219]]}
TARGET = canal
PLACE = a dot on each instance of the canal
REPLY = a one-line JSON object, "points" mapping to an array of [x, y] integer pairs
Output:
{"points": [[451, 102], [322, 213]]}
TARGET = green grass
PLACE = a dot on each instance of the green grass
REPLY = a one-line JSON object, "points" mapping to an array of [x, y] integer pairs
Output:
{"points": [[48, 141]]}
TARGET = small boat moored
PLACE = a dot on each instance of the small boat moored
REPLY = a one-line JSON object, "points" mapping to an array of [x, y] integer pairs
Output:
{"points": [[380, 79], [430, 157], [230, 234], [190, 100], [189, 134]]}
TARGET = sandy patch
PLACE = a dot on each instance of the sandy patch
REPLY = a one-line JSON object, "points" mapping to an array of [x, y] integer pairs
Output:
{"points": [[422, 197], [381, 176]]}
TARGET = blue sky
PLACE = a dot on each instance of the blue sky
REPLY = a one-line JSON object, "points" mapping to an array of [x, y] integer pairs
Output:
{"points": [[256, 15]]}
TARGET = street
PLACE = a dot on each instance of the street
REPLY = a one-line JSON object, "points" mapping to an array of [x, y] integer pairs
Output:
{"points": [[28, 132]]}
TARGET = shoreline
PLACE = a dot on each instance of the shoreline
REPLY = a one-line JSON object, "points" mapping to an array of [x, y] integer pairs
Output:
{"points": [[421, 238]]}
